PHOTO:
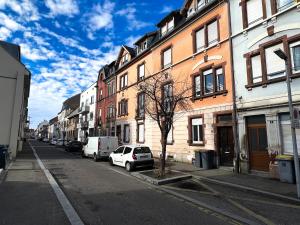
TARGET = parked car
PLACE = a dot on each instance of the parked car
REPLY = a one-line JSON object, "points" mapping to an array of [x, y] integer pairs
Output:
{"points": [[60, 142], [132, 156], [46, 140], [53, 141], [99, 147], [74, 146]]}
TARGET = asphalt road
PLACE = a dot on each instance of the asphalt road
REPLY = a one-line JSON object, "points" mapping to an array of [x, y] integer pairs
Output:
{"points": [[102, 194]]}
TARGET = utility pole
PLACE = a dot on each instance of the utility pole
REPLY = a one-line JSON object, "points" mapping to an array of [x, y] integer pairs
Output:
{"points": [[283, 56]]}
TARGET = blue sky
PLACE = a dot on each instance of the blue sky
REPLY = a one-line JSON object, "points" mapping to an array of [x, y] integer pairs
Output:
{"points": [[64, 43]]}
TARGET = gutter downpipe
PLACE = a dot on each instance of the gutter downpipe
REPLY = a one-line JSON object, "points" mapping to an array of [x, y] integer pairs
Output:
{"points": [[236, 160]]}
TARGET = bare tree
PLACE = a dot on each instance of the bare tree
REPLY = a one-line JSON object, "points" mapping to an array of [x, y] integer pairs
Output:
{"points": [[165, 97]]}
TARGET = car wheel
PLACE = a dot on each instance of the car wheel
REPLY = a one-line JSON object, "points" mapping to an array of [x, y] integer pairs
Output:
{"points": [[95, 157], [111, 162], [128, 166]]}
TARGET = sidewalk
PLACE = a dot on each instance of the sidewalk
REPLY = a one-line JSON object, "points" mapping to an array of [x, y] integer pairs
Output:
{"points": [[225, 176], [26, 196]]}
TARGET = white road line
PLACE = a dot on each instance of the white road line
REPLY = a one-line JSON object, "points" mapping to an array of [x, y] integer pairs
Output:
{"points": [[63, 200]]}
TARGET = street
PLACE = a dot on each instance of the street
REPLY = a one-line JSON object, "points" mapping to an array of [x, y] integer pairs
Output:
{"points": [[101, 194]]}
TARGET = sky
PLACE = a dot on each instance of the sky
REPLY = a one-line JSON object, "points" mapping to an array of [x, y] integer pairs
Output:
{"points": [[64, 43]]}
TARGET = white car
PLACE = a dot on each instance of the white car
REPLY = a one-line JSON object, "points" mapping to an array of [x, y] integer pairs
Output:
{"points": [[45, 140], [53, 141], [132, 156], [60, 142]]}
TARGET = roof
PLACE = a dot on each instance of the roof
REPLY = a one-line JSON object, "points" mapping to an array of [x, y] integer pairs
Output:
{"points": [[167, 17], [149, 34], [130, 50], [53, 120], [71, 103], [12, 49]]}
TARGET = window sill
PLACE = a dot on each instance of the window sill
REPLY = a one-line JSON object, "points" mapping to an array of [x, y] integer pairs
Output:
{"points": [[215, 94], [198, 144], [265, 84], [140, 117]]}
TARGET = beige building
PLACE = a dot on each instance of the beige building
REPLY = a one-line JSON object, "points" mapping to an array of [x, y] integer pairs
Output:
{"points": [[14, 94]]}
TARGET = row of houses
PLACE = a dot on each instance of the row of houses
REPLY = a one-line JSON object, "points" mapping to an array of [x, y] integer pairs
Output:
{"points": [[225, 49], [14, 93]]}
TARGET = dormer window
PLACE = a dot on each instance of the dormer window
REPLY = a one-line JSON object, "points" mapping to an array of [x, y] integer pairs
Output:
{"points": [[201, 3], [125, 59], [167, 27], [142, 46], [191, 11]]}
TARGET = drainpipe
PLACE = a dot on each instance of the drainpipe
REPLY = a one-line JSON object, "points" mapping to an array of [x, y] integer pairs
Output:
{"points": [[234, 107]]}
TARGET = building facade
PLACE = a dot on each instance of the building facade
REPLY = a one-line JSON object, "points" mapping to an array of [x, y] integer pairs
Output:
{"points": [[72, 124], [53, 130], [14, 93], [259, 28], [106, 101], [192, 45], [86, 125]]}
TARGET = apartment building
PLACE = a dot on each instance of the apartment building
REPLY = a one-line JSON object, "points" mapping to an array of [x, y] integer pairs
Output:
{"points": [[14, 94], [191, 44], [72, 123], [53, 128], [106, 101], [258, 28], [87, 110]]}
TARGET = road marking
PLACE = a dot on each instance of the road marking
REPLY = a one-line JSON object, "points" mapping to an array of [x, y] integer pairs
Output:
{"points": [[63, 200]]}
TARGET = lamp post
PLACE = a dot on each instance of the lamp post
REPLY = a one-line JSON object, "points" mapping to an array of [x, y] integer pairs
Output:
{"points": [[284, 57]]}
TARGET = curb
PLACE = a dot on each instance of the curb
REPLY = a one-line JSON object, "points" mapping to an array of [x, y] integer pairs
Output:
{"points": [[163, 181], [254, 190]]}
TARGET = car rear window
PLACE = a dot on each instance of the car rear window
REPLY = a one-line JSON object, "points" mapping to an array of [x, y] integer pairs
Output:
{"points": [[140, 150]]}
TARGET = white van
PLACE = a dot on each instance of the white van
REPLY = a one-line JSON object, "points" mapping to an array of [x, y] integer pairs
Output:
{"points": [[99, 147]]}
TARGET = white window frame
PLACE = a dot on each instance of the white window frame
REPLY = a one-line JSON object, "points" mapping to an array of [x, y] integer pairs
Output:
{"points": [[293, 44], [166, 65], [141, 139], [199, 126], [256, 9]]}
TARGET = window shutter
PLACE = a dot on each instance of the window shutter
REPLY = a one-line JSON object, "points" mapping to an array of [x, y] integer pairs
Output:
{"points": [[212, 30], [171, 25], [254, 11], [256, 69], [275, 65], [197, 86], [200, 42], [167, 57]]}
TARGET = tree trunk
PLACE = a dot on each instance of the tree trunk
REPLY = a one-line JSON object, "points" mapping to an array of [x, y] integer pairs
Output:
{"points": [[163, 156]]}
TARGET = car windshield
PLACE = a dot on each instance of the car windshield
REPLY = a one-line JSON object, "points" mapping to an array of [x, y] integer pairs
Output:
{"points": [[140, 150]]}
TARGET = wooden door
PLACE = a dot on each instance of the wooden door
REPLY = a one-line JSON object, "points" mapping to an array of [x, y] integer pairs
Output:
{"points": [[226, 145], [258, 144]]}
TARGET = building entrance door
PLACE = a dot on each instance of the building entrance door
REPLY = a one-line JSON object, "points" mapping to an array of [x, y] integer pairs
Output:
{"points": [[226, 145], [258, 143]]}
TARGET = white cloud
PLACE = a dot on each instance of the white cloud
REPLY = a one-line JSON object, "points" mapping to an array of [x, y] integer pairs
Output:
{"points": [[8, 26], [4, 33], [131, 40], [130, 14], [25, 8], [62, 7], [166, 9], [100, 18]]}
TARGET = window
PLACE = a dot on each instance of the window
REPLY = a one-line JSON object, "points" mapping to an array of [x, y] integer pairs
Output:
{"points": [[295, 56], [141, 150], [167, 97], [200, 40], [190, 11], [110, 112], [140, 132], [220, 79], [256, 69], [126, 130], [119, 150], [275, 66], [127, 150], [167, 27], [123, 81], [212, 31], [125, 58], [110, 88], [141, 72], [91, 116], [283, 4], [209, 81], [141, 105], [101, 94], [200, 4], [167, 58], [196, 130], [253, 11], [92, 99], [123, 107], [197, 81], [206, 36], [286, 136]]}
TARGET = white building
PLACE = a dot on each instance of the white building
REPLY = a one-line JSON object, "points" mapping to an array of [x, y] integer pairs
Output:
{"points": [[14, 94], [86, 125], [258, 28], [53, 128]]}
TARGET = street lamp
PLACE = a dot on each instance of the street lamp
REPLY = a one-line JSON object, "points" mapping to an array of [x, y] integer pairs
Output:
{"points": [[284, 57]]}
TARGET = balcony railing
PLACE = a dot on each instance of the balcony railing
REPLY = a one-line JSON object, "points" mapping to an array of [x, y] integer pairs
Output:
{"points": [[84, 109]]}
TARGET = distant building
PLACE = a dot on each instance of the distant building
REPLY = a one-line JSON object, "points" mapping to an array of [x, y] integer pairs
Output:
{"points": [[72, 130], [14, 94], [53, 128], [42, 129]]}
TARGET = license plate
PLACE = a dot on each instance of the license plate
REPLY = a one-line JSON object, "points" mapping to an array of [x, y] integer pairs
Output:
{"points": [[143, 156]]}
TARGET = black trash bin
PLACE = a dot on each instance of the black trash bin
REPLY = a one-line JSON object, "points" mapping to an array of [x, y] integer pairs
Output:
{"points": [[198, 159], [208, 159], [3, 156]]}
